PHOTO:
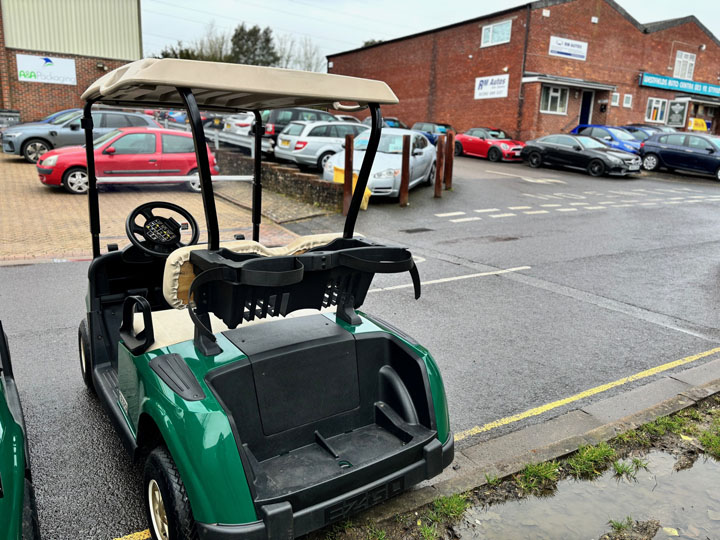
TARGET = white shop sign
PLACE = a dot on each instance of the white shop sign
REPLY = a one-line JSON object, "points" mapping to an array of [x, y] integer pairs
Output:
{"points": [[495, 86], [46, 69], [568, 48]]}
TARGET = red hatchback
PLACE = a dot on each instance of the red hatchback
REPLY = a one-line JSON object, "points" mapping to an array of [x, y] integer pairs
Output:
{"points": [[489, 143], [123, 154]]}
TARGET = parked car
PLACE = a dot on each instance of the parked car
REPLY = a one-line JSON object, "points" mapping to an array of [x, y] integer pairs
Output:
{"points": [[313, 143], [53, 116], [124, 153], [689, 152], [640, 133], [579, 152], [34, 139], [490, 143], [432, 129], [275, 120], [347, 118], [615, 137], [655, 127], [239, 124], [388, 121], [385, 173]]}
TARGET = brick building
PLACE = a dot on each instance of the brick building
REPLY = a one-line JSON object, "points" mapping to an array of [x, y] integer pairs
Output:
{"points": [[546, 66], [50, 52]]}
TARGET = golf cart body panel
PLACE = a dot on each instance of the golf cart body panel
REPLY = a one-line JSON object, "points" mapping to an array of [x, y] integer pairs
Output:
{"points": [[277, 421]]}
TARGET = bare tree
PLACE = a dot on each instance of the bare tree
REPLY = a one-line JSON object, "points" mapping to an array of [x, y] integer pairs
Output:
{"points": [[215, 46], [298, 54]]}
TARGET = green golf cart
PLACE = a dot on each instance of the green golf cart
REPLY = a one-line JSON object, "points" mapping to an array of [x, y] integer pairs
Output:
{"points": [[264, 404], [18, 516]]}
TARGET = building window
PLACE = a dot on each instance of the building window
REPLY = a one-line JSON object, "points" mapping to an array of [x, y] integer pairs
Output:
{"points": [[656, 109], [554, 100], [627, 101], [684, 65], [615, 100], [495, 34]]}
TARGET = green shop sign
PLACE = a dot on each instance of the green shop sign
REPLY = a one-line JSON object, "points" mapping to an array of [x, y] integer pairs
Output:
{"points": [[682, 85]]}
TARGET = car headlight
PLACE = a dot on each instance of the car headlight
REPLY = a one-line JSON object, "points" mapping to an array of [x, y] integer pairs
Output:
{"points": [[50, 162], [12, 134], [614, 159], [387, 173], [504, 146]]}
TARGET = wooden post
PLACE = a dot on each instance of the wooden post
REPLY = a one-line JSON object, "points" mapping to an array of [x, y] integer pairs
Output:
{"points": [[439, 165], [405, 171], [449, 159], [348, 184]]}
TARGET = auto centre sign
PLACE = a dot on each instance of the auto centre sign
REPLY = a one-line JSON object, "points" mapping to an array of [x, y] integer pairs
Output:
{"points": [[495, 86], [671, 83], [568, 48], [46, 69]]}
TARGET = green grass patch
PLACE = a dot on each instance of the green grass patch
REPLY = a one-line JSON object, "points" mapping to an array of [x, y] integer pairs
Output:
{"points": [[667, 424], [537, 476], [376, 534], [710, 440], [622, 525], [634, 436], [589, 461], [691, 413], [638, 464], [448, 508], [428, 531], [623, 468], [492, 480]]}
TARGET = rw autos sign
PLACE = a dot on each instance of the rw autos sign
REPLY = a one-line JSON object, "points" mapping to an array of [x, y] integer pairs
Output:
{"points": [[568, 48], [44, 69], [491, 87]]}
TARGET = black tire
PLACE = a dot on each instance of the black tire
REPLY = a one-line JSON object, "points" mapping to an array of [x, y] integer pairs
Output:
{"points": [[596, 168], [651, 162], [85, 353], [32, 149], [431, 175], [192, 185], [535, 160], [323, 159], [717, 174], [459, 149], [75, 181], [30, 524], [160, 471], [494, 155]]}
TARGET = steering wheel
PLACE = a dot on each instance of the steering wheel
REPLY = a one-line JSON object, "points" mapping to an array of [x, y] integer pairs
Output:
{"points": [[159, 236]]}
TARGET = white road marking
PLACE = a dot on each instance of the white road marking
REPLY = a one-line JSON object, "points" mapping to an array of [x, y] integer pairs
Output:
{"points": [[463, 220], [676, 199], [629, 200], [606, 202], [519, 207], [697, 196], [623, 205], [579, 204], [501, 215], [550, 205], [648, 204], [487, 210], [527, 179], [537, 212], [566, 209], [448, 214], [456, 278], [672, 202], [594, 208]]}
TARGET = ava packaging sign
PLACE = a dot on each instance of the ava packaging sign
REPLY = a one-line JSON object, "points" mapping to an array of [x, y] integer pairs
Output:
{"points": [[495, 86], [45, 69]]}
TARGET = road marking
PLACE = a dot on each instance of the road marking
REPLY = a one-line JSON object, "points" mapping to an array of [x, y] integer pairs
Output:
{"points": [[501, 215], [455, 278], [579, 204], [676, 199], [142, 535], [566, 209], [696, 197], [537, 212], [606, 202], [594, 208], [623, 205], [448, 214], [628, 200], [487, 210], [463, 220], [519, 207], [587, 393], [526, 179], [672, 202], [550, 205], [648, 204]]}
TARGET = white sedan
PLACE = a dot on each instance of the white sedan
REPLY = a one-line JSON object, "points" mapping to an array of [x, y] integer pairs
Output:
{"points": [[385, 173]]}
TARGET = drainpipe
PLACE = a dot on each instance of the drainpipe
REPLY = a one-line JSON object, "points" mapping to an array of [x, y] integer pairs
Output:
{"points": [[521, 91]]}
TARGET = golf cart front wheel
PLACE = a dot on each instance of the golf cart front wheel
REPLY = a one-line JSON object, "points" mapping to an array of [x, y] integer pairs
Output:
{"points": [[166, 503], [85, 355]]}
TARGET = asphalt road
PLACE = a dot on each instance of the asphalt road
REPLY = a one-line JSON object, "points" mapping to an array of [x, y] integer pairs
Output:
{"points": [[607, 277]]}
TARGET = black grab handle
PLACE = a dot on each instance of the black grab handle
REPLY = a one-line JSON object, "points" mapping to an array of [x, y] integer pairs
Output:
{"points": [[136, 343]]}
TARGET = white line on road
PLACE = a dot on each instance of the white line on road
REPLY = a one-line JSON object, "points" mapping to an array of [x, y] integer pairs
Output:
{"points": [[519, 207], [594, 208], [628, 200], [550, 205], [501, 215], [448, 214], [579, 204], [566, 209], [648, 204], [676, 199], [463, 220], [623, 205], [456, 278], [487, 210], [537, 212]]}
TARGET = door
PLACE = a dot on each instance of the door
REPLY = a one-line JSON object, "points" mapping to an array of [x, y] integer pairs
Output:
{"points": [[419, 164], [702, 155], [71, 133], [673, 151], [177, 157], [561, 152], [134, 154], [586, 107]]}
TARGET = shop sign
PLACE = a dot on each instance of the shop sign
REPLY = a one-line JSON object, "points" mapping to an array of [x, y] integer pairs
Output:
{"points": [[568, 48], [46, 69], [495, 86], [677, 113], [698, 124], [671, 83]]}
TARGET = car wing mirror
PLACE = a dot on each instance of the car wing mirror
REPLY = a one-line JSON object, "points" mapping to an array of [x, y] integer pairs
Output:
{"points": [[109, 150], [607, 138], [74, 127], [577, 147], [417, 152]]}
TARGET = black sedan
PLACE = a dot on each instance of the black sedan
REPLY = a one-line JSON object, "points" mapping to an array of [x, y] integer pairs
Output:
{"points": [[684, 151], [579, 152]]}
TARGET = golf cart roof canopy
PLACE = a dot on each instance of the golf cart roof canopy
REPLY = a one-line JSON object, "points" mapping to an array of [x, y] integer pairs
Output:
{"points": [[228, 87]]}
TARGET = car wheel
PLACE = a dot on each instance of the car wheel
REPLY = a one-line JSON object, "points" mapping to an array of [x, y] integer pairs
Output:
{"points": [[85, 355], [75, 181], [494, 154], [194, 185], [431, 175], [535, 160], [166, 503], [33, 149], [458, 149], [323, 159], [717, 174], [596, 168], [651, 162]]}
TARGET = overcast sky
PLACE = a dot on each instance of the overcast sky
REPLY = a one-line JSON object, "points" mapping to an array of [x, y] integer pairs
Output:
{"points": [[340, 25]]}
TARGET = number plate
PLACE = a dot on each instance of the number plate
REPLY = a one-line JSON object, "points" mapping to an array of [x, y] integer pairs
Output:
{"points": [[634, 167], [284, 142], [228, 126], [216, 121]]}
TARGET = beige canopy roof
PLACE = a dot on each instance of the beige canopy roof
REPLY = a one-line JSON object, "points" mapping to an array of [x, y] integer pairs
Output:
{"points": [[221, 86]]}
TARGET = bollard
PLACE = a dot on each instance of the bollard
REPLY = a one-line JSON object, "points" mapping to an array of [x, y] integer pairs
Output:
{"points": [[449, 159], [348, 183], [439, 165], [405, 172]]}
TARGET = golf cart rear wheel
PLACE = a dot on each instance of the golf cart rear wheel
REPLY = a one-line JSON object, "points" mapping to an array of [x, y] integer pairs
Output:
{"points": [[85, 355], [166, 503]]}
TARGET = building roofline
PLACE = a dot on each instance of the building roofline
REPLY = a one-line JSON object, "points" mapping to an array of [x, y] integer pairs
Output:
{"points": [[538, 4]]}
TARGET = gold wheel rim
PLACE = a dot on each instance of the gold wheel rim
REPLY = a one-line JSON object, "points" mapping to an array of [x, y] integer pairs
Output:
{"points": [[157, 511]]}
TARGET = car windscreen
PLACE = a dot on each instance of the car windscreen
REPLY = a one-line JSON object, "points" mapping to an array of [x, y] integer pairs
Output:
{"points": [[389, 143], [497, 134], [589, 142], [621, 134], [65, 117], [293, 129], [639, 135], [715, 141], [97, 143]]}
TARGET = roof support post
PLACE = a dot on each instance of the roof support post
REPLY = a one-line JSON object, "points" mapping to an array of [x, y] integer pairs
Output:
{"points": [[257, 177], [375, 130], [203, 163], [93, 205]]}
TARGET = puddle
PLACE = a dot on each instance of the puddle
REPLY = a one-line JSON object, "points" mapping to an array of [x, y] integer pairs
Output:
{"points": [[687, 500]]}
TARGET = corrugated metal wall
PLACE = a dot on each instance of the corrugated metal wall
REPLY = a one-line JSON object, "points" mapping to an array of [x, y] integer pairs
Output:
{"points": [[99, 28]]}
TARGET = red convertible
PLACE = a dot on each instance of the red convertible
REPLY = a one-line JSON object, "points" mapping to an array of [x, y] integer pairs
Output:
{"points": [[489, 143]]}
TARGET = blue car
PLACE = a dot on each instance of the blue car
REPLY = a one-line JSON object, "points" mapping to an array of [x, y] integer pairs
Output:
{"points": [[684, 151], [614, 137], [58, 114], [432, 130]]}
